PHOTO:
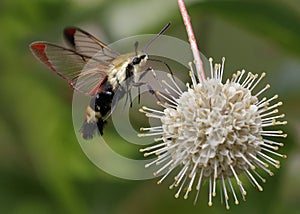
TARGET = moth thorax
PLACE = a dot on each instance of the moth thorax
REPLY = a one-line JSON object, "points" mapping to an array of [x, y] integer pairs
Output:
{"points": [[138, 63]]}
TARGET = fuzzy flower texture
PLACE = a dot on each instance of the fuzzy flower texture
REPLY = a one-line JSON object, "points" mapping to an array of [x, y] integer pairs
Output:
{"points": [[216, 133]]}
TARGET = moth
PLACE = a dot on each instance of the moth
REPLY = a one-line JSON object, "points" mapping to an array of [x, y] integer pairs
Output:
{"points": [[94, 69]]}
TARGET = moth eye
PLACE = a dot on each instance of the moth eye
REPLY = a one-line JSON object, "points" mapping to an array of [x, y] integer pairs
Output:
{"points": [[136, 60]]}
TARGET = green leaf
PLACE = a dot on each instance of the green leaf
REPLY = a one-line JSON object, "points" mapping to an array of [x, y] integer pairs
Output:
{"points": [[271, 20]]}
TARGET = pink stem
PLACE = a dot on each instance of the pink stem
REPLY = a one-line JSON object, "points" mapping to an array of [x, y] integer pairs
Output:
{"points": [[192, 40]]}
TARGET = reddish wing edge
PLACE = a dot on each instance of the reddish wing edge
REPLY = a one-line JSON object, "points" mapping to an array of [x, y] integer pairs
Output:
{"points": [[75, 35], [69, 35], [39, 50]]}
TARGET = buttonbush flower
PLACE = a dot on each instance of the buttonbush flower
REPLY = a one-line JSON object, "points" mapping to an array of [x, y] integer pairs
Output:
{"points": [[215, 131]]}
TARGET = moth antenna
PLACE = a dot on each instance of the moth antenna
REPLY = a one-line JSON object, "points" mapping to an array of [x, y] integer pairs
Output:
{"points": [[136, 44], [157, 35]]}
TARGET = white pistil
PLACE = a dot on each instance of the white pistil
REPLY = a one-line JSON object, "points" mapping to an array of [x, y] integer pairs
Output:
{"points": [[247, 161], [222, 68], [150, 134], [180, 175], [281, 123], [262, 90], [153, 147], [273, 123], [163, 168], [170, 105], [151, 110], [270, 160], [260, 78], [271, 132], [180, 188], [215, 178], [259, 176], [256, 160], [235, 175], [210, 193], [161, 104], [239, 183], [260, 101], [158, 139], [265, 169], [152, 115], [174, 83], [253, 180], [274, 117], [236, 201], [162, 160], [274, 153], [247, 79], [269, 113], [156, 160], [151, 128], [166, 98], [270, 107], [268, 123], [219, 73], [243, 192], [172, 185], [195, 167], [190, 186], [225, 193], [273, 142], [200, 180], [253, 79], [169, 86], [235, 76], [269, 146], [166, 174], [240, 76], [192, 75], [274, 135], [157, 152], [269, 100], [211, 68]]}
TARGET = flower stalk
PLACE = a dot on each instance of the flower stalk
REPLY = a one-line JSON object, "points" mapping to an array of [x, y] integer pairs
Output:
{"points": [[197, 59]]}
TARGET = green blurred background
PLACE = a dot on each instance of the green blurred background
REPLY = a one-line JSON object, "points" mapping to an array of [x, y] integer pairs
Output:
{"points": [[42, 167]]}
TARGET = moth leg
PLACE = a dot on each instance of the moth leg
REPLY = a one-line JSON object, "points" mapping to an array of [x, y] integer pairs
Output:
{"points": [[130, 98], [150, 89], [128, 95], [139, 94], [141, 83]]}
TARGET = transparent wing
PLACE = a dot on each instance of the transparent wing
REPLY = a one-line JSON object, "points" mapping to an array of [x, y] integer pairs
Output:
{"points": [[86, 44], [90, 80], [84, 73]]}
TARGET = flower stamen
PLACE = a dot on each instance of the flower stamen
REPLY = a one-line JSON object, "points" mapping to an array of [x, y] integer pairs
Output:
{"points": [[260, 78], [262, 90], [233, 191], [251, 178]]}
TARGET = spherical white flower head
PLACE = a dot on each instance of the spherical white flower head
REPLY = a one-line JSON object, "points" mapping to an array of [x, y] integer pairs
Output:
{"points": [[215, 131]]}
